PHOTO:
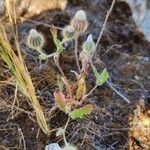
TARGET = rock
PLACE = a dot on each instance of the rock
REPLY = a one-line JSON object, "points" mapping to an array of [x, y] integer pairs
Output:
{"points": [[53, 146], [145, 27], [29, 8], [138, 8], [140, 15], [2, 7]]}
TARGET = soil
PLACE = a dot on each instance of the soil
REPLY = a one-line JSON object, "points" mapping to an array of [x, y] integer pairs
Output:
{"points": [[123, 50]]}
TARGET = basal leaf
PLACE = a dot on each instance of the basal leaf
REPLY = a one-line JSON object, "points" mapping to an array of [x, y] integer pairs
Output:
{"points": [[60, 84], [67, 86], [60, 99], [81, 88], [81, 112]]}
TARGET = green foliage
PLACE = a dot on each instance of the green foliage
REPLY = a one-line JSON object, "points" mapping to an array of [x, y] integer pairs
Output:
{"points": [[71, 94], [89, 45], [58, 43], [96, 74], [81, 112], [102, 77]]}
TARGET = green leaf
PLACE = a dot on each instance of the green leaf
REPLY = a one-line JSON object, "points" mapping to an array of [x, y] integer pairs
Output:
{"points": [[100, 77], [103, 77], [96, 74], [58, 43], [81, 112]]}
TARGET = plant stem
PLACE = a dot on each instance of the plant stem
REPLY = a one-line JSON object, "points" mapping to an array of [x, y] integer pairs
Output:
{"points": [[92, 90], [115, 90], [76, 52], [104, 25], [50, 55], [64, 137], [38, 22], [56, 59]]}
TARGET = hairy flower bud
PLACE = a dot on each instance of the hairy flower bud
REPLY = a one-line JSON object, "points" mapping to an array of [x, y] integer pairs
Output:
{"points": [[68, 32], [88, 45], [35, 40], [79, 21]]}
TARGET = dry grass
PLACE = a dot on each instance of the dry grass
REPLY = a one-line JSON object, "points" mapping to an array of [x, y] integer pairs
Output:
{"points": [[21, 76], [19, 71]]}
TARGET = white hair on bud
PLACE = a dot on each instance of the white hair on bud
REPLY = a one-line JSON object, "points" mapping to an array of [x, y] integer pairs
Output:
{"points": [[33, 33], [70, 28], [81, 15], [79, 21], [68, 32]]}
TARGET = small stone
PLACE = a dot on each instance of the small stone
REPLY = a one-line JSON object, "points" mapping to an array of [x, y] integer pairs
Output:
{"points": [[53, 146]]}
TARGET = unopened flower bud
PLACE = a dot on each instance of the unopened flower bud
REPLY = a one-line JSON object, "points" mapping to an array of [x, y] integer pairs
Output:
{"points": [[35, 40], [68, 32], [88, 45], [79, 21]]}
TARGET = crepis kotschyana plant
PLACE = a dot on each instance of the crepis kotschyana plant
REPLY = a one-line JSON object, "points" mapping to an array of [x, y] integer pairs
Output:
{"points": [[71, 94]]}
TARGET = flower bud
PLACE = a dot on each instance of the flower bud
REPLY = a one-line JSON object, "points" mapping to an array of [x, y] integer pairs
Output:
{"points": [[88, 45], [35, 40], [79, 21], [68, 32]]}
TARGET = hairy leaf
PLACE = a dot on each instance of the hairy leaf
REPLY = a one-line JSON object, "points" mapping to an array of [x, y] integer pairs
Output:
{"points": [[100, 77], [103, 77], [96, 74], [60, 84], [61, 101], [67, 86], [81, 88], [57, 42], [81, 112]]}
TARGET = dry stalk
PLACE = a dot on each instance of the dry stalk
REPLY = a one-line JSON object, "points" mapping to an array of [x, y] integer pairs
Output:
{"points": [[104, 25], [22, 77]]}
